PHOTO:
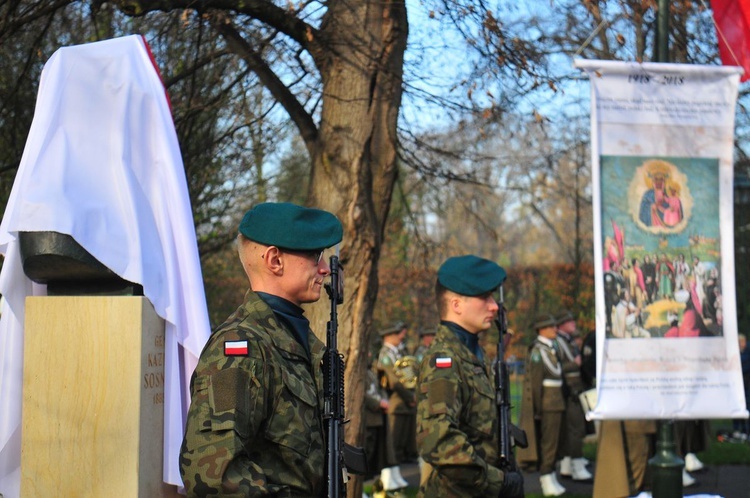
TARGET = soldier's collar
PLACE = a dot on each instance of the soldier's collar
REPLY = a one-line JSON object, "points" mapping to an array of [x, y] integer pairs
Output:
{"points": [[391, 347], [469, 340], [292, 315], [281, 334], [545, 341]]}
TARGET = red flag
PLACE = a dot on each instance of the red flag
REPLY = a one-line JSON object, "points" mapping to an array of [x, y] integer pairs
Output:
{"points": [[620, 240], [732, 18]]}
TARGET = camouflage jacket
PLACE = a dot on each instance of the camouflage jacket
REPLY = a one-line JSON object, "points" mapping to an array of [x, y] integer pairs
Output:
{"points": [[457, 422], [254, 426], [400, 398]]}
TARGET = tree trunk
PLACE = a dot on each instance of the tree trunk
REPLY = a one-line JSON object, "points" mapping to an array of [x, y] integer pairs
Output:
{"points": [[354, 169]]}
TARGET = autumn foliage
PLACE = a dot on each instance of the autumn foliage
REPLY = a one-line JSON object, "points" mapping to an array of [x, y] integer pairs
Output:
{"points": [[407, 293]]}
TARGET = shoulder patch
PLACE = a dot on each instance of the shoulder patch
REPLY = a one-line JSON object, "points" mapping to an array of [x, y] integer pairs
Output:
{"points": [[443, 362], [235, 348], [385, 359], [536, 356]]}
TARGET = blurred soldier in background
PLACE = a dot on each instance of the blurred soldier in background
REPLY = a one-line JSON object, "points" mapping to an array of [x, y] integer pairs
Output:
{"points": [[588, 376], [397, 374], [622, 455], [588, 360], [426, 335], [376, 433], [691, 437], [543, 405], [572, 464]]}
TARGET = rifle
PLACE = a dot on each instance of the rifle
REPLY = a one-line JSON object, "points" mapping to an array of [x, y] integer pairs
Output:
{"points": [[509, 433], [338, 453]]}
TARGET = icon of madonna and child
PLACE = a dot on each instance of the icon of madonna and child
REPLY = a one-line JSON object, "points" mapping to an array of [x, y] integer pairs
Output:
{"points": [[661, 256], [660, 205]]}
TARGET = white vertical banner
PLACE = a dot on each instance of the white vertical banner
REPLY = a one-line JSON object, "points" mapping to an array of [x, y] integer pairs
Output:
{"points": [[662, 143]]}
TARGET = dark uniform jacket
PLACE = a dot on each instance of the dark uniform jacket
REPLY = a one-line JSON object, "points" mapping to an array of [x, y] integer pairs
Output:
{"points": [[254, 426], [457, 422], [374, 415], [571, 370]]}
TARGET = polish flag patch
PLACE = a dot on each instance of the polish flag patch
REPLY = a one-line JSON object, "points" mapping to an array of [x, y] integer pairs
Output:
{"points": [[443, 362], [235, 348]]}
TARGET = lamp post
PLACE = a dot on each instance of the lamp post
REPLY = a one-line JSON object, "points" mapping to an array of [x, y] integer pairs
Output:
{"points": [[666, 466]]}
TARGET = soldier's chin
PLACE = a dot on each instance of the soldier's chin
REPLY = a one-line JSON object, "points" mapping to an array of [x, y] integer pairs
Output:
{"points": [[314, 296]]}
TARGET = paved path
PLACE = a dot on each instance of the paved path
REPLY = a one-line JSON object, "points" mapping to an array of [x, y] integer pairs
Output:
{"points": [[727, 481]]}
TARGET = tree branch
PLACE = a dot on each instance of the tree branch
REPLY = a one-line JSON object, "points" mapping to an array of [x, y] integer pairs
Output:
{"points": [[237, 44], [276, 17], [550, 226], [13, 21]]}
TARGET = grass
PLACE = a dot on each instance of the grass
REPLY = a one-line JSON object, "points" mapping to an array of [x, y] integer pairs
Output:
{"points": [[726, 454], [719, 453]]}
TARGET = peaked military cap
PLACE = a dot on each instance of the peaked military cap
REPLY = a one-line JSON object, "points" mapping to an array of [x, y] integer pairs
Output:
{"points": [[565, 316], [290, 226], [544, 320], [427, 331], [393, 329], [470, 275]]}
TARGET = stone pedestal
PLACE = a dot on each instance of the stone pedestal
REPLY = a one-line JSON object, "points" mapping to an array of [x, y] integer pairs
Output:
{"points": [[93, 398]]}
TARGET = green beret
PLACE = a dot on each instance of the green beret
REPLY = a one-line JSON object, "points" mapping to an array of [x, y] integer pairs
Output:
{"points": [[470, 275], [293, 227], [393, 329], [565, 316], [544, 320]]}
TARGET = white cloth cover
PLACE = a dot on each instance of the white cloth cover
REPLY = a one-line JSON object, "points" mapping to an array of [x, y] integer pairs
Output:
{"points": [[102, 164]]}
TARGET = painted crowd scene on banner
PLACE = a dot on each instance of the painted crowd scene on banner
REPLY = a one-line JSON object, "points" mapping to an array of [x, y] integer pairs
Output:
{"points": [[661, 254]]}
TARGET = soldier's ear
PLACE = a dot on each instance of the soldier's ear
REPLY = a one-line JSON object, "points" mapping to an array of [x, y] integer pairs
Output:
{"points": [[455, 303], [272, 257]]}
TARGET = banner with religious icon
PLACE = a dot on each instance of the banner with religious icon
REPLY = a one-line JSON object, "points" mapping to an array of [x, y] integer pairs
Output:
{"points": [[662, 146]]}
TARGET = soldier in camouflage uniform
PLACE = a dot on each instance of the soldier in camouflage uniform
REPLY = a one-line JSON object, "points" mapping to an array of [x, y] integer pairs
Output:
{"points": [[543, 406], [426, 336], [254, 426], [376, 437], [402, 410], [573, 464], [457, 425]]}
